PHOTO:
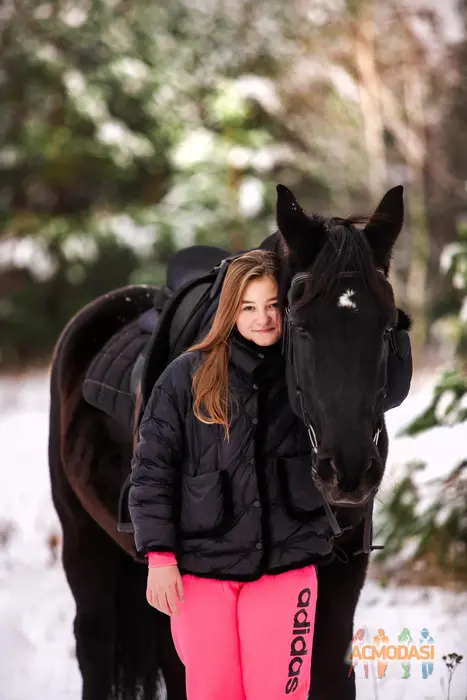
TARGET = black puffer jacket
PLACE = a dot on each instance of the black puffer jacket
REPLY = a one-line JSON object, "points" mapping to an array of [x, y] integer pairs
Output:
{"points": [[230, 510]]}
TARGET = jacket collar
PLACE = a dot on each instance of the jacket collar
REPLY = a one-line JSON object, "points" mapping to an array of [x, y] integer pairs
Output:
{"points": [[248, 356]]}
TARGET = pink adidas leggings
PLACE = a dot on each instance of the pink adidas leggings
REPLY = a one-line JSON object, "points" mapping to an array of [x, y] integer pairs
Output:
{"points": [[247, 641]]}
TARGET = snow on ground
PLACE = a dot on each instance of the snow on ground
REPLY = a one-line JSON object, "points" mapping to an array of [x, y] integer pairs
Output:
{"points": [[36, 609]]}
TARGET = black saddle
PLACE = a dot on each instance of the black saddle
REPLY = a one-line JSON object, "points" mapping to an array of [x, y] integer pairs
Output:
{"points": [[186, 265], [191, 263], [143, 347], [108, 383]]}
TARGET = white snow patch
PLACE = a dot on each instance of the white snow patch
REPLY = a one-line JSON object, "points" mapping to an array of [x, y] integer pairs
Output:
{"points": [[443, 404], [74, 16], [27, 253], [239, 157], [132, 73], [449, 252], [140, 238], [250, 197], [80, 248], [87, 99], [195, 148], [459, 280], [125, 143], [261, 89], [9, 156]]}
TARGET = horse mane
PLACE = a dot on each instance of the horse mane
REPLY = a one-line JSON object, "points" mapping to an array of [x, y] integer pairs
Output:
{"points": [[346, 250]]}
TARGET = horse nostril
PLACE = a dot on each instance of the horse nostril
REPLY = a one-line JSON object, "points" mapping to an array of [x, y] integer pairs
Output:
{"points": [[374, 466], [374, 471], [326, 469]]}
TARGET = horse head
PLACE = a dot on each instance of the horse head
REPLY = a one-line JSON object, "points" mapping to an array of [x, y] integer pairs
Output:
{"points": [[339, 311]]}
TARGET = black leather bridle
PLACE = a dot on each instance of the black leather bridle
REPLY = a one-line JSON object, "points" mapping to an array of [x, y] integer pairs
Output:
{"points": [[293, 337]]}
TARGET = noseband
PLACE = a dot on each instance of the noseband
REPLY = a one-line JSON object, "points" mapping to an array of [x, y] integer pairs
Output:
{"points": [[295, 335]]}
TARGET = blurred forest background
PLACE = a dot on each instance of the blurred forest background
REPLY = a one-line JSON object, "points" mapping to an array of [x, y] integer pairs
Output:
{"points": [[129, 129]]}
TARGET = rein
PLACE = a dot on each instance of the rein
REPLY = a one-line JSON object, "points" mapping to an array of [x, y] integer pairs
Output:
{"points": [[293, 333]]}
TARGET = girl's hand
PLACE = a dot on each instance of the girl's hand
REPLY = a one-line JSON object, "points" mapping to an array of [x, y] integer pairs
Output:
{"points": [[165, 589]]}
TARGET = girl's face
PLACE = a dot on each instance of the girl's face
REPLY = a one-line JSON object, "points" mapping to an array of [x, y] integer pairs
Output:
{"points": [[259, 319]]}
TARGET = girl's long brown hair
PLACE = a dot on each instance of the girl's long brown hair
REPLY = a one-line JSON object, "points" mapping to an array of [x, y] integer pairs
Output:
{"points": [[210, 380]]}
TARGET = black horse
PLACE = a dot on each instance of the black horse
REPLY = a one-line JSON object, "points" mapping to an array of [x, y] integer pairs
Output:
{"points": [[338, 316]]}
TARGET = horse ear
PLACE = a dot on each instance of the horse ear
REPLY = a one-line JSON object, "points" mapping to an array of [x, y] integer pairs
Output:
{"points": [[385, 225], [299, 231]]}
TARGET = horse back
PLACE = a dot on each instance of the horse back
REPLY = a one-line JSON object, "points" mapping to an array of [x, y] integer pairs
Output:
{"points": [[83, 441], [92, 326]]}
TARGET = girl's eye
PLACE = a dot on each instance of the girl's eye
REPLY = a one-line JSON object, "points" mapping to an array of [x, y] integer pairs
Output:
{"points": [[248, 308], [275, 305]]}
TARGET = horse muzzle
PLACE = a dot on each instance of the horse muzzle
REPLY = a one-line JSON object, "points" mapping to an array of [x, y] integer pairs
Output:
{"points": [[346, 481]]}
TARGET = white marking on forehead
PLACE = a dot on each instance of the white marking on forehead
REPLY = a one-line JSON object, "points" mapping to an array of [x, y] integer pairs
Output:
{"points": [[346, 301]]}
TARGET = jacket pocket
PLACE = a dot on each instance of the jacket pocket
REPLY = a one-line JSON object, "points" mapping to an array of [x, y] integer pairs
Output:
{"points": [[206, 505], [299, 494]]}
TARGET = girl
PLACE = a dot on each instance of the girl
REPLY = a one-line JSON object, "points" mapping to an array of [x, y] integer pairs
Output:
{"points": [[223, 503]]}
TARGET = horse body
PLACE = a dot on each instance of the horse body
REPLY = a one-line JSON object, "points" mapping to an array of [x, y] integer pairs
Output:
{"points": [[124, 646]]}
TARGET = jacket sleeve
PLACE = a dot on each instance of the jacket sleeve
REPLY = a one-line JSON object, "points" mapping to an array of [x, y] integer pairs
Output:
{"points": [[156, 472], [399, 370]]}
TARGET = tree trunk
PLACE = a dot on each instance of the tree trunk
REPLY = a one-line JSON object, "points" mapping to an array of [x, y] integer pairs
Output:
{"points": [[373, 124], [417, 282]]}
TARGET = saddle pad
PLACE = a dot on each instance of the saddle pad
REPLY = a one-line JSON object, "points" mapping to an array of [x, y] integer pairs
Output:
{"points": [[107, 384]]}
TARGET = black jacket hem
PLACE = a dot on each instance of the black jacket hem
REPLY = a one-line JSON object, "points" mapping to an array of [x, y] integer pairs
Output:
{"points": [[247, 578]]}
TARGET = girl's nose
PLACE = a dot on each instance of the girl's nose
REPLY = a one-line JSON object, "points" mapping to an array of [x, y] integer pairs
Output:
{"points": [[263, 317]]}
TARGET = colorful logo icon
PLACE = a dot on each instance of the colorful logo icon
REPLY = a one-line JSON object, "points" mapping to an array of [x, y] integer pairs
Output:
{"points": [[382, 651]]}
